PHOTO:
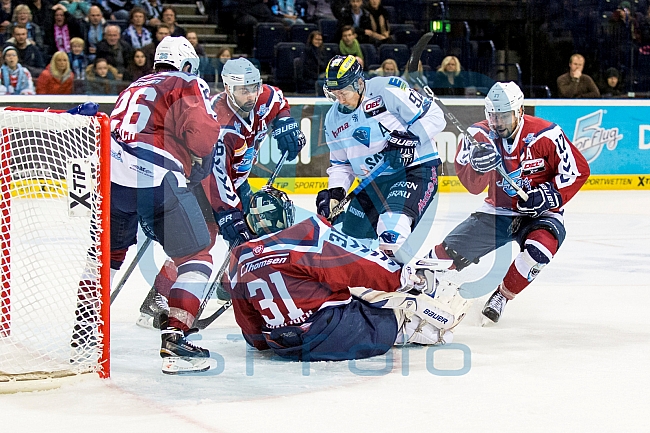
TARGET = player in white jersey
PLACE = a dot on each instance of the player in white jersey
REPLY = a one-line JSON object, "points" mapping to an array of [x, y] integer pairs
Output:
{"points": [[372, 122]]}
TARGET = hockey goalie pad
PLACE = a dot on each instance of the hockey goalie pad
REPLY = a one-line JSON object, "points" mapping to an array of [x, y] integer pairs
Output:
{"points": [[420, 275], [412, 329], [439, 314]]}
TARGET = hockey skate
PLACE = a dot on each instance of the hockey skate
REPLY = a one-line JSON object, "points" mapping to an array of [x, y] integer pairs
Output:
{"points": [[180, 355], [494, 306], [152, 307]]}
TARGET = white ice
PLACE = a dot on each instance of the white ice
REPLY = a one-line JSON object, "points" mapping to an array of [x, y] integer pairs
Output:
{"points": [[570, 354]]}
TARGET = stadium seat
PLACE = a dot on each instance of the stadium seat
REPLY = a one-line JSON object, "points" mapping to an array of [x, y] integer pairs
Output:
{"points": [[432, 57], [300, 32], [284, 70], [267, 35], [394, 28], [328, 28], [398, 52], [408, 37], [370, 55], [332, 50]]}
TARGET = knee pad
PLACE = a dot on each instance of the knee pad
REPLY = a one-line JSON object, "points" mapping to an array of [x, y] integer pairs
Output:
{"points": [[539, 248], [460, 262], [393, 229]]}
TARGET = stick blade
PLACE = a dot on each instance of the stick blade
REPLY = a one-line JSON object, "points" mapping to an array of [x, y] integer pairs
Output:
{"points": [[416, 52]]}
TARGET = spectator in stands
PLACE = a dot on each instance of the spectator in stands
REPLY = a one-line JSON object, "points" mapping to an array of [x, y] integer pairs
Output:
{"points": [[448, 79], [14, 79], [153, 10], [612, 87], [29, 55], [314, 64], [114, 50], [193, 38], [94, 31], [64, 28], [41, 13], [138, 67], [136, 34], [379, 33], [150, 50], [100, 78], [57, 78], [206, 70], [6, 12], [286, 10], [349, 44], [223, 56], [575, 84], [78, 59], [357, 17], [22, 15], [337, 7], [116, 10], [388, 68], [321, 10], [169, 18], [77, 8]]}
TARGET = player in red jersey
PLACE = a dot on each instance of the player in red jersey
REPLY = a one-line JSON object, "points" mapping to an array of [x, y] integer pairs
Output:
{"points": [[164, 133], [310, 292], [538, 155]]}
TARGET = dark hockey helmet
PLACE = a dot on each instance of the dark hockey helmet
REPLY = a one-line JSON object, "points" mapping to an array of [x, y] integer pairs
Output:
{"points": [[341, 72], [270, 211]]}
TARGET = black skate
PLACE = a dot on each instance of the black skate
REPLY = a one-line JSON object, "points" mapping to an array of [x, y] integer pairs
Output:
{"points": [[494, 306], [152, 307], [180, 355]]}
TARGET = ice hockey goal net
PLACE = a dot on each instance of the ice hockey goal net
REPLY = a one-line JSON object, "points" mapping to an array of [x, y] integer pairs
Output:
{"points": [[54, 233]]}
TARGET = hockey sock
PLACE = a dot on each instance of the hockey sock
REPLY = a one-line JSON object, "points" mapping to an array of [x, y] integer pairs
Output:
{"points": [[166, 278], [539, 248], [392, 230], [186, 293]]}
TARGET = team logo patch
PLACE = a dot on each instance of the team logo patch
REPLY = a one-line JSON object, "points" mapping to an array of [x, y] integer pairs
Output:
{"points": [[259, 249], [247, 161], [374, 106], [530, 137], [237, 126], [397, 82], [532, 166], [362, 135], [262, 111]]}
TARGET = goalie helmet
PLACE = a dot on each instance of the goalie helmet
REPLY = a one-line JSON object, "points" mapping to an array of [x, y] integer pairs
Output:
{"points": [[178, 53], [270, 211]]}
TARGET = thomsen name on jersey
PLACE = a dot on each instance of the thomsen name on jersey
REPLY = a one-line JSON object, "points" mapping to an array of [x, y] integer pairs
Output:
{"points": [[248, 267]]}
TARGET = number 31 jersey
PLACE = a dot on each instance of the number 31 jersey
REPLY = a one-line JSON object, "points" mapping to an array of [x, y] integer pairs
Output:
{"points": [[356, 139]]}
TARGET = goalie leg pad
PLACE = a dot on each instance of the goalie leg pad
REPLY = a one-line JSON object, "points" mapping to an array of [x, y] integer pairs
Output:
{"points": [[414, 330], [431, 310]]}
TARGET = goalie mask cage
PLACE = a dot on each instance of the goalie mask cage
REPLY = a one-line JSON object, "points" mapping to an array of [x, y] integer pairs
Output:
{"points": [[54, 234]]}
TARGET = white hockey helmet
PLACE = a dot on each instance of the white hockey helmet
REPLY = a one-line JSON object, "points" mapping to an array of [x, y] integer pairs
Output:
{"points": [[176, 51], [501, 100], [241, 73]]}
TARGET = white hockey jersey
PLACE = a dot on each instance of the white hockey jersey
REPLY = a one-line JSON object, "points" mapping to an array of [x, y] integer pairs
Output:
{"points": [[356, 139]]}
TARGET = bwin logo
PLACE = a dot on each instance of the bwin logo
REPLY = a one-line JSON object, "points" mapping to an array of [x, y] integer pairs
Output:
{"points": [[590, 138]]}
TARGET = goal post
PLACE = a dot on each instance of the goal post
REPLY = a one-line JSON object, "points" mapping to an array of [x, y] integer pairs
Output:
{"points": [[55, 245]]}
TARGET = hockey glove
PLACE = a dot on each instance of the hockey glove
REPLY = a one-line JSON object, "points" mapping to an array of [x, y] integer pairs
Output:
{"points": [[233, 227], [540, 199], [289, 136], [86, 109], [201, 167], [400, 149], [484, 158], [327, 199]]}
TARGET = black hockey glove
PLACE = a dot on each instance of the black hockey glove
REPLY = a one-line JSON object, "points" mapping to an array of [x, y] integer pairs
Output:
{"points": [[327, 199], [201, 168], [540, 199], [232, 226], [400, 149], [484, 158], [289, 136]]}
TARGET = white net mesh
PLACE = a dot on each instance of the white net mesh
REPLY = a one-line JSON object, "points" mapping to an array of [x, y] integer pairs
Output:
{"points": [[50, 321]]}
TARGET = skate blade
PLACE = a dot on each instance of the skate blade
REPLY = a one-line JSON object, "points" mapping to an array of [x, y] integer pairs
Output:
{"points": [[486, 322], [145, 321], [183, 365]]}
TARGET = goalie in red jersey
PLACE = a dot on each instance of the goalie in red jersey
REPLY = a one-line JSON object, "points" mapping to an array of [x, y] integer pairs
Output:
{"points": [[309, 292], [538, 156]]}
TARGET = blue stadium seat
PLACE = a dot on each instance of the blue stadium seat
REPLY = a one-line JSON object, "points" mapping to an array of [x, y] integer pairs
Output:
{"points": [[267, 35], [328, 28], [398, 52], [432, 57], [300, 32], [394, 28], [283, 72], [331, 50], [408, 37], [370, 55]]}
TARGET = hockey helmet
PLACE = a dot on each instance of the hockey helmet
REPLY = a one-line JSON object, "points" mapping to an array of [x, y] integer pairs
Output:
{"points": [[176, 51], [270, 211], [341, 72], [241, 72], [500, 102]]}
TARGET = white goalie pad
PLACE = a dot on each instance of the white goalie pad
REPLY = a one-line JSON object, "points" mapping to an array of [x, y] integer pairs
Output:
{"points": [[442, 315], [421, 275]]}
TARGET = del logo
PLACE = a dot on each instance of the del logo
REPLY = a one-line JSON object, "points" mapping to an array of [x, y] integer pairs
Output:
{"points": [[259, 249], [340, 129], [373, 103], [590, 138], [532, 166]]}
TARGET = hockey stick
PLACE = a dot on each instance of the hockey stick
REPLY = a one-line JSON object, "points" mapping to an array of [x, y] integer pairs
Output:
{"points": [[204, 323], [143, 248], [450, 116]]}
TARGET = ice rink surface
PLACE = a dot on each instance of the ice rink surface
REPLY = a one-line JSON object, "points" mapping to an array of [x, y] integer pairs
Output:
{"points": [[570, 354]]}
